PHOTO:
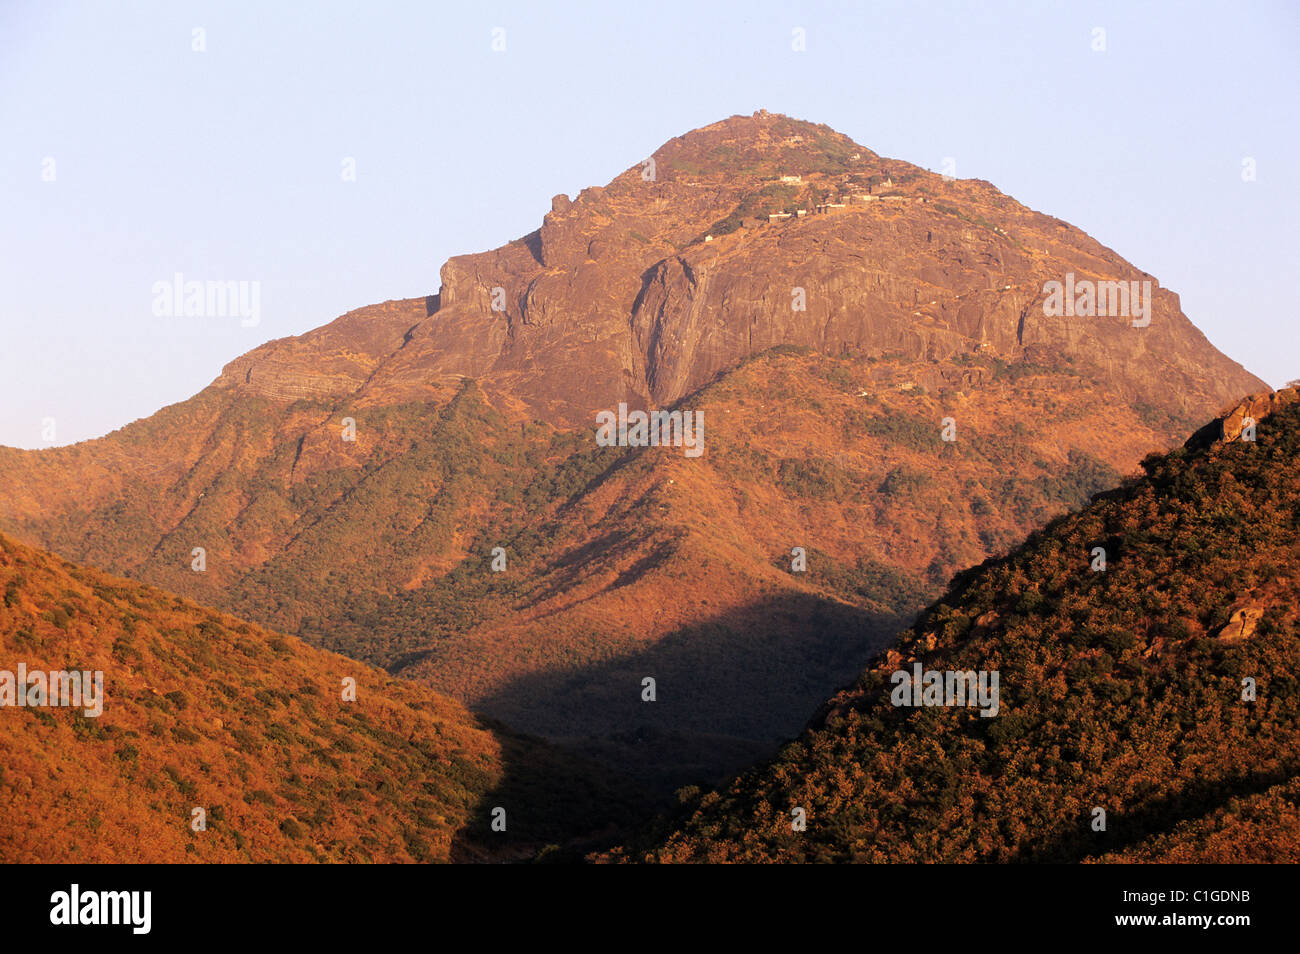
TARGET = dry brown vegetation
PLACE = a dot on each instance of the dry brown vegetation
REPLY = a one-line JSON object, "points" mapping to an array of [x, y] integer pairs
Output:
{"points": [[204, 710]]}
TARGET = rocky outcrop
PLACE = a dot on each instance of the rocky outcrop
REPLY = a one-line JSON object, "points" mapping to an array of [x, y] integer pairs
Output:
{"points": [[331, 361], [1234, 422], [1241, 624]]}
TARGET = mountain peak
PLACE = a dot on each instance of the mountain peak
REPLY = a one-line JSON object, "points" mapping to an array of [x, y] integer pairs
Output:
{"points": [[829, 311], [749, 151], [648, 287], [763, 132]]}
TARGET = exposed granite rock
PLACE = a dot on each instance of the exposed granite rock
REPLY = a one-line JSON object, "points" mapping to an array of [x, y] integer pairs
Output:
{"points": [[1241, 625], [618, 297], [1231, 422]]}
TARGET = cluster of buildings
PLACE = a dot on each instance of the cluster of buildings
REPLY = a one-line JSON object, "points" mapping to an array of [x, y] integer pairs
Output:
{"points": [[829, 206]]}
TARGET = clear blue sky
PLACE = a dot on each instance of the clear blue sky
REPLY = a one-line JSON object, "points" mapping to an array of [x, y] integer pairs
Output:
{"points": [[225, 164]]}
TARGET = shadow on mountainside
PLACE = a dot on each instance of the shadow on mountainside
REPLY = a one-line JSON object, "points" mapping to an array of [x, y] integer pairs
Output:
{"points": [[553, 803], [728, 693]]}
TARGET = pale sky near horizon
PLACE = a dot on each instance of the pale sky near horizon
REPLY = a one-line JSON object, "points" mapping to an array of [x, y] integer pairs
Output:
{"points": [[226, 164]]}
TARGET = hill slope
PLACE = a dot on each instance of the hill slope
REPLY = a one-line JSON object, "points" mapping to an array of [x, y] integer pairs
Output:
{"points": [[201, 710], [1161, 689]]}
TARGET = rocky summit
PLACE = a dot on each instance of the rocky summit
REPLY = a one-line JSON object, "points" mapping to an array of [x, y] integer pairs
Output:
{"points": [[885, 388], [748, 234]]}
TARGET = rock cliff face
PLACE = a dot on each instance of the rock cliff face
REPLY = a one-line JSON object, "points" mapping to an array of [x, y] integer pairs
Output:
{"points": [[646, 289]]}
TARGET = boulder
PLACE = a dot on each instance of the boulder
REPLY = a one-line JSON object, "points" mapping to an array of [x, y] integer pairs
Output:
{"points": [[1241, 624]]}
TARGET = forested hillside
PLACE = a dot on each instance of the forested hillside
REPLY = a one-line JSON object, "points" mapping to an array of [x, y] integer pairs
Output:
{"points": [[1161, 689]]}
